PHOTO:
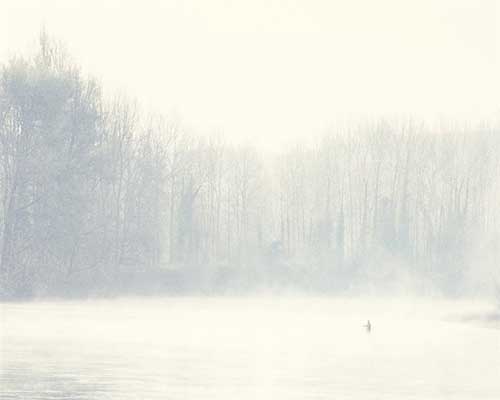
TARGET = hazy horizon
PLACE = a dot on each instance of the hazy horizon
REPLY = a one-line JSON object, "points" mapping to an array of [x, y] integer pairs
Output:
{"points": [[275, 73], [216, 199]]}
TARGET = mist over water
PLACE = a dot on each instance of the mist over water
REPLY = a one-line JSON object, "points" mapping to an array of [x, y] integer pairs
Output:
{"points": [[248, 348], [336, 237]]}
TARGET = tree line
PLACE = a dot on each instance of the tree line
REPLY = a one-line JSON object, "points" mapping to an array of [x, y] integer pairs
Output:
{"points": [[93, 194]]}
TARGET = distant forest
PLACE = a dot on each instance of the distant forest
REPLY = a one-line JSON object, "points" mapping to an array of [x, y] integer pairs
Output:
{"points": [[97, 198]]}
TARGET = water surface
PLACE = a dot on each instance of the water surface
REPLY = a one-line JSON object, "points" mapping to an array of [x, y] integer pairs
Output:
{"points": [[247, 348]]}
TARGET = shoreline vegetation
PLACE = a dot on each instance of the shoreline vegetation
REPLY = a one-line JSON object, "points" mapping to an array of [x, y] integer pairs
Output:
{"points": [[98, 199]]}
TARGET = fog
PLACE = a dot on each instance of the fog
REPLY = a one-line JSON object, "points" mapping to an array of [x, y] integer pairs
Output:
{"points": [[272, 72], [283, 200], [250, 348]]}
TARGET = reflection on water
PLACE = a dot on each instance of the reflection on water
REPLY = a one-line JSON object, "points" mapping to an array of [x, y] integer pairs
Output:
{"points": [[272, 348]]}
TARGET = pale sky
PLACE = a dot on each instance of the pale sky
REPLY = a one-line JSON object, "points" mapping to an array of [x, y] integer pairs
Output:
{"points": [[271, 72]]}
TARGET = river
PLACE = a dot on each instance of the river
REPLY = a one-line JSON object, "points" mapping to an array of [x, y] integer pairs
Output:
{"points": [[248, 348]]}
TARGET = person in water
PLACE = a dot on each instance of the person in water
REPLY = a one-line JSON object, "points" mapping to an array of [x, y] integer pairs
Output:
{"points": [[368, 326]]}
